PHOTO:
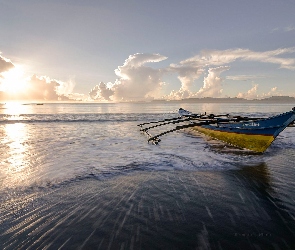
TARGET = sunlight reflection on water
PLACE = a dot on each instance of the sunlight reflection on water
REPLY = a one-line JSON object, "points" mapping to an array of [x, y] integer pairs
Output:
{"points": [[16, 169], [53, 143], [14, 109]]}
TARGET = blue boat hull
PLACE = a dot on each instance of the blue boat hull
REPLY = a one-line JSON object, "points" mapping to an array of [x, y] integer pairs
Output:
{"points": [[253, 135]]}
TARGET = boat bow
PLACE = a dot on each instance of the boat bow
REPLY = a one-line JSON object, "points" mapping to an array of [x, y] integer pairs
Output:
{"points": [[256, 135]]}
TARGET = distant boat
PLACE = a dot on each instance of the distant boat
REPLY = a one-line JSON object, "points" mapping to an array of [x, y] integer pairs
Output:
{"points": [[39, 104], [183, 112], [255, 134]]}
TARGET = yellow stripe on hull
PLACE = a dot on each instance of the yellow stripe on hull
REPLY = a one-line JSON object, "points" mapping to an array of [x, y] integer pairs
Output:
{"points": [[257, 143]]}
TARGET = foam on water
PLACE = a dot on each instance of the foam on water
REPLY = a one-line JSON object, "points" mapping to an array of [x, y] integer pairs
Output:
{"points": [[46, 148]]}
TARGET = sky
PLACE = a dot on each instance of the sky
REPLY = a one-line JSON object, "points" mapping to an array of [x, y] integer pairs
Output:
{"points": [[112, 51]]}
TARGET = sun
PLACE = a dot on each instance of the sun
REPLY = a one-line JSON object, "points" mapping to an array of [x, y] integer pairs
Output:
{"points": [[13, 81]]}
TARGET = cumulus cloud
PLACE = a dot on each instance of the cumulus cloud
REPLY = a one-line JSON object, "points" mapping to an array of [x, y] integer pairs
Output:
{"points": [[42, 88], [250, 94], [244, 77], [217, 61], [221, 57], [77, 97], [65, 88], [5, 64], [15, 86], [253, 93], [284, 29], [47, 89], [39, 88], [101, 92], [138, 60], [178, 94], [136, 80], [273, 92], [212, 83], [187, 74]]}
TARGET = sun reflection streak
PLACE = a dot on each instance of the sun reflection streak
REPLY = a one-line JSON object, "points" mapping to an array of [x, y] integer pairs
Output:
{"points": [[14, 109], [15, 164]]}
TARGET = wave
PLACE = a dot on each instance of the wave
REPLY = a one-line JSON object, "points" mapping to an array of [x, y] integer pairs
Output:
{"points": [[69, 118], [91, 117]]}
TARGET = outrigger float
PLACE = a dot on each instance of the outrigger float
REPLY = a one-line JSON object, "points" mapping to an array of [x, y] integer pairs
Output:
{"points": [[255, 134]]}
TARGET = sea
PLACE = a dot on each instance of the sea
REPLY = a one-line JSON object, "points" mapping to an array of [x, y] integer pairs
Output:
{"points": [[83, 176]]}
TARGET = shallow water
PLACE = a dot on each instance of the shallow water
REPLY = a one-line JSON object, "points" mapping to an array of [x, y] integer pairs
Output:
{"points": [[82, 176]]}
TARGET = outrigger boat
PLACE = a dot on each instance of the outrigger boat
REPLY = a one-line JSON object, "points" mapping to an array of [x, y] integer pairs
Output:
{"points": [[255, 134]]}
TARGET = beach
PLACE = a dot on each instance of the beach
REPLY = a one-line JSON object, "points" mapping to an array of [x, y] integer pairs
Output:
{"points": [[79, 177]]}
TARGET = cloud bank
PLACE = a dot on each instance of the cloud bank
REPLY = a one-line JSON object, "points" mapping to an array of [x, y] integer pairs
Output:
{"points": [[202, 75], [221, 57], [217, 62]]}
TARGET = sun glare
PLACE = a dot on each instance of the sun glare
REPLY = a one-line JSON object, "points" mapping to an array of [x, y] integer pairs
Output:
{"points": [[17, 166], [14, 109], [13, 81]]}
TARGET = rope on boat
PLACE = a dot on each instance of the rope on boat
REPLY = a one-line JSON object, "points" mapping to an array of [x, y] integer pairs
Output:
{"points": [[170, 122], [156, 137], [168, 119], [210, 118]]}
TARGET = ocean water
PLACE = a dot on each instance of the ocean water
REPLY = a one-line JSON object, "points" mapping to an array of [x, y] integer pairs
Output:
{"points": [[82, 176]]}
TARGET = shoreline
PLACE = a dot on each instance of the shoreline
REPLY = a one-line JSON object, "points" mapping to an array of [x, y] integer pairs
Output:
{"points": [[156, 209]]}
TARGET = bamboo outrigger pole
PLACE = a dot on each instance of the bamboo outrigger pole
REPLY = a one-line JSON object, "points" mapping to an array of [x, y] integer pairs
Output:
{"points": [[169, 122], [156, 137]]}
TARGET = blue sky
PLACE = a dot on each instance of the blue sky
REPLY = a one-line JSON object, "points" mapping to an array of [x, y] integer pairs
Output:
{"points": [[79, 44]]}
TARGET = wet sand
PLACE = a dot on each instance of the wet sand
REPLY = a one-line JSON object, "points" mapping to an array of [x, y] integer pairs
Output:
{"points": [[232, 209]]}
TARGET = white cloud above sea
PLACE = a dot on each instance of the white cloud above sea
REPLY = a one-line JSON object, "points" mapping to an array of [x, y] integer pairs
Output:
{"points": [[290, 28], [5, 64], [139, 80], [253, 93], [136, 81], [194, 67], [212, 83], [101, 92], [221, 57], [244, 77], [250, 94], [47, 89], [35, 88]]}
